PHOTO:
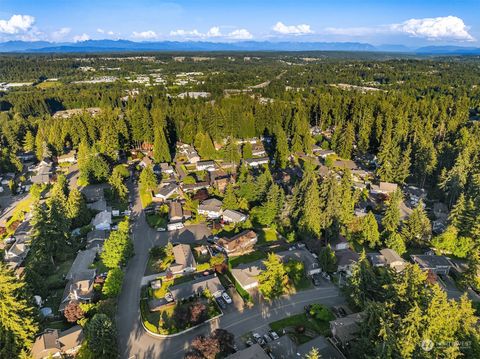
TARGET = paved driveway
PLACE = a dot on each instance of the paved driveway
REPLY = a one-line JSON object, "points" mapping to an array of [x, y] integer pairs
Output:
{"points": [[134, 342]]}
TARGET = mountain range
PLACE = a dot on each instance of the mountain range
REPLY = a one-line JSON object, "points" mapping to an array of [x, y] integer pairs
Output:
{"points": [[132, 46]]}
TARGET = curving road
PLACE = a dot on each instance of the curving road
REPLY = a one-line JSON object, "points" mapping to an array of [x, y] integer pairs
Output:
{"points": [[135, 342]]}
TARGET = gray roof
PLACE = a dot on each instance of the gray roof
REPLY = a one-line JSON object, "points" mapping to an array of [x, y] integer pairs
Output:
{"points": [[236, 216], [167, 191], [253, 352], [346, 257], [344, 329], [183, 258], [97, 234], [211, 204], [431, 261], [82, 262], [197, 286], [391, 256]]}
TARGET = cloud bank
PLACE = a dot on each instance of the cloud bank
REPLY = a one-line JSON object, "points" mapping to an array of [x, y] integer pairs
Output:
{"points": [[302, 29], [17, 24], [145, 35], [213, 32]]}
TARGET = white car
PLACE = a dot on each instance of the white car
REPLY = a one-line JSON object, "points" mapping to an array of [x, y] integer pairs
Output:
{"points": [[226, 297]]}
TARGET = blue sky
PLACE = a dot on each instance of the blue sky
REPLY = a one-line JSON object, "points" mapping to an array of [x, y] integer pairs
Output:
{"points": [[408, 22]]}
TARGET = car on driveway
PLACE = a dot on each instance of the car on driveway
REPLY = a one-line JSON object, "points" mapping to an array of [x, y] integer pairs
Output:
{"points": [[316, 280], [258, 339], [227, 298], [273, 334], [221, 302]]}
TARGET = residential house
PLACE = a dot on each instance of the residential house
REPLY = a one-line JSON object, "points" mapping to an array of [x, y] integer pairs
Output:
{"points": [[16, 254], [323, 153], [96, 238], [102, 221], [221, 183], [258, 150], [255, 162], [197, 287], [192, 187], [166, 168], [40, 179], [339, 243], [376, 259], [184, 260], [53, 343], [433, 263], [211, 208], [205, 166], [286, 348], [146, 161], [94, 193], [82, 262], [192, 156], [167, 191], [70, 157], [345, 329], [392, 259], [345, 164], [79, 288], [99, 206], [385, 188], [239, 243], [175, 212], [346, 259], [232, 216], [254, 351]]}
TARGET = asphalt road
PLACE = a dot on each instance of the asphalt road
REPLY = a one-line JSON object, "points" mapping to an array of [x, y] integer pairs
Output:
{"points": [[135, 342]]}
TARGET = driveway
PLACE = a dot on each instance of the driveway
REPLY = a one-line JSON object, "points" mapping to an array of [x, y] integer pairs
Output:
{"points": [[135, 342]]}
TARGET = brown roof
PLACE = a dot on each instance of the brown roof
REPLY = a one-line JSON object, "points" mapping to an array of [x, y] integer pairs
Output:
{"points": [[237, 241]]}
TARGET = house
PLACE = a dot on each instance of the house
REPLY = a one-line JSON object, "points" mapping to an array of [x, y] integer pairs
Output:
{"points": [[146, 161], [94, 192], [211, 208], [41, 178], [232, 216], [70, 157], [383, 188], [346, 259], [175, 212], [258, 150], [376, 259], [323, 153], [393, 260], [166, 168], [196, 287], [255, 162], [102, 221], [240, 243], [205, 166], [221, 183], [99, 206], [433, 263], [96, 238], [79, 288], [246, 274], [192, 187], [192, 156], [82, 262], [344, 329], [167, 191], [252, 352], [286, 348], [184, 260], [15, 255], [56, 344], [345, 164], [339, 243]]}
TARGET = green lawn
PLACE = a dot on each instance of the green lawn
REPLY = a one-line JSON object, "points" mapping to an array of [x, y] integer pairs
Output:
{"points": [[247, 258], [266, 235], [320, 327], [156, 220], [145, 198]]}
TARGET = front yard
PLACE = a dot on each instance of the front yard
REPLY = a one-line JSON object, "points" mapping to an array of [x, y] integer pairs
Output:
{"points": [[302, 327], [159, 260]]}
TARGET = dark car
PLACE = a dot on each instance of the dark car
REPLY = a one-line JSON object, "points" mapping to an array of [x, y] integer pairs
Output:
{"points": [[221, 302], [316, 280]]}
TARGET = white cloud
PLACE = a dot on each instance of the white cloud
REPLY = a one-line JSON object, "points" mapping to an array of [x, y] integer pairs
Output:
{"points": [[214, 32], [437, 28], [301, 29], [240, 34], [82, 37], [60, 33], [102, 31], [186, 33], [145, 35], [17, 24], [355, 31]]}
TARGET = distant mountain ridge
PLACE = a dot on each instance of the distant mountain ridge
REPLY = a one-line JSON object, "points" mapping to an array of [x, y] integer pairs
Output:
{"points": [[132, 46]]}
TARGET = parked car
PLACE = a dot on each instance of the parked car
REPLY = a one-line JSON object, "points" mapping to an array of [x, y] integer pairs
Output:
{"points": [[221, 302], [273, 334], [249, 343], [258, 339], [267, 338], [316, 279], [9, 240], [227, 298], [161, 229], [339, 311]]}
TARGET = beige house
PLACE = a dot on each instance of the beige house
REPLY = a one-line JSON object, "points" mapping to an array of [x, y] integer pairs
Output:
{"points": [[56, 344]]}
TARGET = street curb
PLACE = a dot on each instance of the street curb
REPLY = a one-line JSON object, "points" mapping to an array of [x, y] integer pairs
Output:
{"points": [[166, 336]]}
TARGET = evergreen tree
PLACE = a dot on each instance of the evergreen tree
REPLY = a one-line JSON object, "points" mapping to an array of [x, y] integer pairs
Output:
{"points": [[395, 241], [391, 218], [247, 150], [161, 152], [117, 181], [148, 180], [306, 204], [417, 228], [77, 210], [101, 336], [29, 142], [327, 259], [17, 322], [273, 280], [370, 233], [281, 148], [230, 200]]}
